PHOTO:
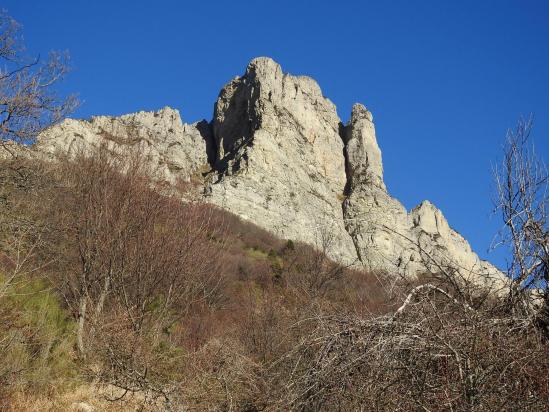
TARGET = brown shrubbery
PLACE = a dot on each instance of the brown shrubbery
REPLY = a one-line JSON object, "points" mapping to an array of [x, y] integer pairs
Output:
{"points": [[169, 304], [436, 355]]}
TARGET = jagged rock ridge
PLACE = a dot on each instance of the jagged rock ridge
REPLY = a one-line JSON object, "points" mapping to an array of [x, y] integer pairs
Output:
{"points": [[279, 156], [177, 150]]}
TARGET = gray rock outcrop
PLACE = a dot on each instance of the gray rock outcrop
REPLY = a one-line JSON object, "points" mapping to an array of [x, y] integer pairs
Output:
{"points": [[174, 150], [385, 235], [277, 154], [280, 157]]}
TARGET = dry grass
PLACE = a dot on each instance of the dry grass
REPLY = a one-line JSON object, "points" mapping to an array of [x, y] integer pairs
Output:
{"points": [[72, 400]]}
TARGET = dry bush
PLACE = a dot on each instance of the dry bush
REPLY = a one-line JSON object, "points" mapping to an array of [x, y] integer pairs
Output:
{"points": [[189, 306], [143, 362], [436, 353], [222, 378], [129, 261], [137, 259], [35, 331]]}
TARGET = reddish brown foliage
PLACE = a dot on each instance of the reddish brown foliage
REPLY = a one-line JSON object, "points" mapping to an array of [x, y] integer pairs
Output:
{"points": [[187, 303]]}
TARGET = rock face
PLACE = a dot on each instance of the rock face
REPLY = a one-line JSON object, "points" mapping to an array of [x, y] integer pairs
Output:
{"points": [[176, 150], [280, 157], [377, 222], [385, 235], [364, 166]]}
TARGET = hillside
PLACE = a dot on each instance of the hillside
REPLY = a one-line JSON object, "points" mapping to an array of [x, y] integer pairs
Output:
{"points": [[190, 225], [236, 290], [118, 296], [253, 262], [277, 154]]}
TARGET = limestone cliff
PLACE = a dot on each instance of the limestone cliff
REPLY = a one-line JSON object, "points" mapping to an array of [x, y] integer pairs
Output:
{"points": [[174, 149], [278, 155], [385, 235]]}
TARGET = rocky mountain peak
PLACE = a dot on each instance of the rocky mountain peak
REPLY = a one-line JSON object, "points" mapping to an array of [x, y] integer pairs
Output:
{"points": [[265, 101], [175, 149], [264, 68], [280, 155], [281, 158], [364, 165]]}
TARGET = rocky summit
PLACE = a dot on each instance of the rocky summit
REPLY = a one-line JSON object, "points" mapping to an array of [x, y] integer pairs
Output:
{"points": [[277, 154]]}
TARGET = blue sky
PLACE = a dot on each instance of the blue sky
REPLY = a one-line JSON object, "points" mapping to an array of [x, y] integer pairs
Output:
{"points": [[443, 79]]}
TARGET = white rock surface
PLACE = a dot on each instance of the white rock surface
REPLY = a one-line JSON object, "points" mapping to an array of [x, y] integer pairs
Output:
{"points": [[364, 166], [280, 157], [177, 150], [447, 247], [83, 407], [385, 235]]}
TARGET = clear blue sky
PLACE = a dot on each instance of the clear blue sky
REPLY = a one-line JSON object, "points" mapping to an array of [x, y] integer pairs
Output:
{"points": [[443, 79]]}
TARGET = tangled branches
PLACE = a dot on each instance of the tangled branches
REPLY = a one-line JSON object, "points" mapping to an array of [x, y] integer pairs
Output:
{"points": [[28, 102], [434, 353]]}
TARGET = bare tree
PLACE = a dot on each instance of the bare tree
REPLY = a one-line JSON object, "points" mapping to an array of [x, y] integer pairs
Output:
{"points": [[28, 102], [522, 198], [132, 260], [144, 250]]}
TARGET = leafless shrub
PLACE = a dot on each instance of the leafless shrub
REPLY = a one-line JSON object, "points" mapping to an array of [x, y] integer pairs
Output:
{"points": [[221, 377], [434, 354], [132, 262]]}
